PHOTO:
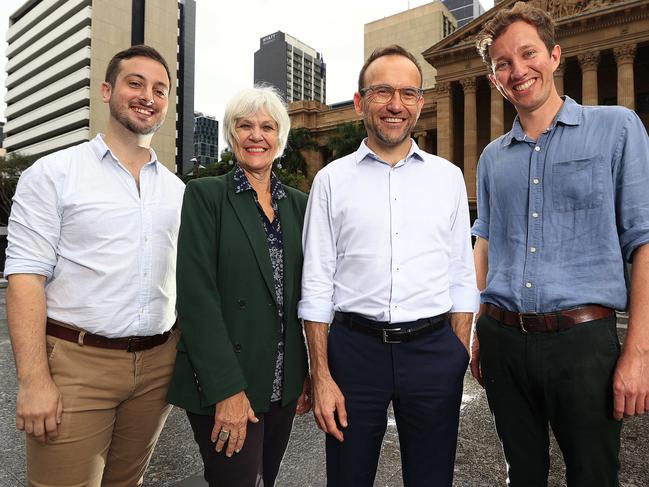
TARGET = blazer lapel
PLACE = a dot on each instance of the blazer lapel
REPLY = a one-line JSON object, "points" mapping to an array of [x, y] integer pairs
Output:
{"points": [[292, 244], [246, 211]]}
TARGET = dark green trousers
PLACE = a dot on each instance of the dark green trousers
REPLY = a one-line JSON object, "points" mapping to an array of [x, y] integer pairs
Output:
{"points": [[562, 380]]}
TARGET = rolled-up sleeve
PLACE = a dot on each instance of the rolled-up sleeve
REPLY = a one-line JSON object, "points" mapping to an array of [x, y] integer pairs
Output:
{"points": [[631, 179], [462, 282], [319, 255], [35, 223], [481, 225]]}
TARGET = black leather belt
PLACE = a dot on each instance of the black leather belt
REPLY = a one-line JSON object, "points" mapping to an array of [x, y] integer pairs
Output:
{"points": [[391, 332]]}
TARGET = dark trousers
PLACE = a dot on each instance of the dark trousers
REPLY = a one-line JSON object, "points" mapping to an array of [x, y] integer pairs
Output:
{"points": [[257, 464], [561, 379], [423, 380]]}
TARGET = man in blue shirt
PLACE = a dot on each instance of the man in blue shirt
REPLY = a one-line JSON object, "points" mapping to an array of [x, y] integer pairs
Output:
{"points": [[562, 205]]}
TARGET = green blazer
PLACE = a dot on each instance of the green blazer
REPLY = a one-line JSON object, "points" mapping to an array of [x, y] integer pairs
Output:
{"points": [[227, 308]]}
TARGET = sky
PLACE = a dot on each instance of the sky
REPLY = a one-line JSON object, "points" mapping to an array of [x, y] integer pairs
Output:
{"points": [[228, 33]]}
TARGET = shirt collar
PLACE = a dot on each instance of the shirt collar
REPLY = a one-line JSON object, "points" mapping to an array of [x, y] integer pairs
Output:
{"points": [[242, 184], [364, 152], [570, 113], [99, 147]]}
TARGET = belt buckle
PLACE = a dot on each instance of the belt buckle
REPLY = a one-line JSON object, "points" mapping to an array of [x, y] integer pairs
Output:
{"points": [[521, 324], [384, 335], [132, 341]]}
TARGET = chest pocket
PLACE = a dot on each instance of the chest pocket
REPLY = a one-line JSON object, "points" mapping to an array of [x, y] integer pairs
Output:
{"points": [[577, 184]]}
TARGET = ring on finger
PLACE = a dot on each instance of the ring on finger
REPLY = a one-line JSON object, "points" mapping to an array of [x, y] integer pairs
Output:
{"points": [[224, 435]]}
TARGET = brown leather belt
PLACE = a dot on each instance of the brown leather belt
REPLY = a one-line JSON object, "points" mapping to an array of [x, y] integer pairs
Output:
{"points": [[130, 344], [547, 322]]}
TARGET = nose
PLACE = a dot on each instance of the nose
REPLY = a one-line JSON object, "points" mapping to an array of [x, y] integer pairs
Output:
{"points": [[395, 105], [146, 95], [519, 69], [255, 133]]}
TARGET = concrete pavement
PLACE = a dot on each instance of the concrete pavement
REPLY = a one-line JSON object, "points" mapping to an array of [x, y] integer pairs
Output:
{"points": [[176, 462]]}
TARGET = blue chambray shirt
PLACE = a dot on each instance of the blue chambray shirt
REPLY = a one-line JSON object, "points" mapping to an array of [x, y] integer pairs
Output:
{"points": [[563, 213]]}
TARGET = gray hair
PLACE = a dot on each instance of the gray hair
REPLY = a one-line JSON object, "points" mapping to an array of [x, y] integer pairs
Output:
{"points": [[250, 101]]}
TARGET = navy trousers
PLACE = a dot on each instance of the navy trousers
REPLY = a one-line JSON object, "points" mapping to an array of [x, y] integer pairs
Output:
{"points": [[423, 380]]}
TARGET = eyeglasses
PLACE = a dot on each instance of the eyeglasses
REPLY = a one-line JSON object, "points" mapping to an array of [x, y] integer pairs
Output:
{"points": [[384, 93]]}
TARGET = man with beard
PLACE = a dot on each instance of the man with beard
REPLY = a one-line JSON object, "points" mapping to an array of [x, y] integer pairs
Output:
{"points": [[90, 303], [387, 257]]}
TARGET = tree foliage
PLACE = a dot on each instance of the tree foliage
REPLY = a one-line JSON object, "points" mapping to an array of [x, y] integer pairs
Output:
{"points": [[11, 167], [344, 140]]}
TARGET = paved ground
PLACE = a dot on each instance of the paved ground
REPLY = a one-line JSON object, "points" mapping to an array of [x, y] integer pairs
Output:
{"points": [[176, 462]]}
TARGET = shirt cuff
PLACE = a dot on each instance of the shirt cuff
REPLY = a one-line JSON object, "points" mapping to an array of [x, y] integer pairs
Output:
{"points": [[480, 229], [26, 266], [318, 312], [465, 299]]}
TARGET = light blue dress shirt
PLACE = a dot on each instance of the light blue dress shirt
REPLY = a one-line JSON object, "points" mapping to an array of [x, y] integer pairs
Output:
{"points": [[391, 243], [564, 212], [108, 251]]}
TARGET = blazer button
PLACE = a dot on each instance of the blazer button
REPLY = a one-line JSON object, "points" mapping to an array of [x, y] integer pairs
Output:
{"points": [[242, 304], [237, 347]]}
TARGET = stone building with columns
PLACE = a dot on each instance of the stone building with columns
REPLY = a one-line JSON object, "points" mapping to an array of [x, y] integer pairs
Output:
{"points": [[605, 61]]}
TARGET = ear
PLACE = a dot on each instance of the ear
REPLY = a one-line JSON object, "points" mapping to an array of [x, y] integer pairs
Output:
{"points": [[358, 106], [106, 91], [555, 55]]}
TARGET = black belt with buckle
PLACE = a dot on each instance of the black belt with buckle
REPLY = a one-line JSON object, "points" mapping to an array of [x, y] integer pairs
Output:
{"points": [[404, 332]]}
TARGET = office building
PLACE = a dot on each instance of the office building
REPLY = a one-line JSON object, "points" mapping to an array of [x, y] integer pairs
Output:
{"points": [[57, 55], [464, 11], [415, 29], [295, 69], [206, 139]]}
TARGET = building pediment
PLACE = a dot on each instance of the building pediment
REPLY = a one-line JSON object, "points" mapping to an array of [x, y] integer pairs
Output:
{"points": [[564, 12]]}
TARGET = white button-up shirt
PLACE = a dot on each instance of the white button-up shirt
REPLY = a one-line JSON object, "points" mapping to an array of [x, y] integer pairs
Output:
{"points": [[107, 250], [391, 243]]}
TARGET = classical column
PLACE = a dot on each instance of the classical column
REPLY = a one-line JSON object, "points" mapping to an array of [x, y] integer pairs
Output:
{"points": [[624, 56], [422, 140], [470, 135], [588, 62], [444, 98], [497, 113], [558, 76]]}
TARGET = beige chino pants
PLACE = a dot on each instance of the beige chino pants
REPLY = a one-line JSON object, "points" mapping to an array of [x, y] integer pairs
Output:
{"points": [[114, 409]]}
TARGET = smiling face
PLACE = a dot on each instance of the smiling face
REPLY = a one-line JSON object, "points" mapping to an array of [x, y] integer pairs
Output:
{"points": [[523, 69], [256, 142], [389, 124], [139, 99]]}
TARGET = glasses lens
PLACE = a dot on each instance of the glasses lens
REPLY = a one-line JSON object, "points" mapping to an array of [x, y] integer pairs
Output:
{"points": [[409, 96], [383, 94]]}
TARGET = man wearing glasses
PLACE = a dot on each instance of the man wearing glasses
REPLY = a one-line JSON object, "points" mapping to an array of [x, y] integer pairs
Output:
{"points": [[387, 261]]}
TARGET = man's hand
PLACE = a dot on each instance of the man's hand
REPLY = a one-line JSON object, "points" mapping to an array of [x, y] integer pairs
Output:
{"points": [[230, 422], [304, 401], [476, 369], [631, 384], [39, 409], [461, 324], [329, 402]]}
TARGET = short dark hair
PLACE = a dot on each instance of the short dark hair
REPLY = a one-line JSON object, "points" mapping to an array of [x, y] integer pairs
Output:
{"points": [[393, 50], [521, 11], [141, 50]]}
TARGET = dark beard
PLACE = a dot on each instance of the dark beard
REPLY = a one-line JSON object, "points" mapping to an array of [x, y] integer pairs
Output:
{"points": [[129, 125]]}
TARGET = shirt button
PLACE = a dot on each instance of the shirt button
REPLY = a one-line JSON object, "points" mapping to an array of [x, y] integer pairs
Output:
{"points": [[528, 285], [532, 249], [396, 269], [535, 180], [537, 148], [535, 215]]}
